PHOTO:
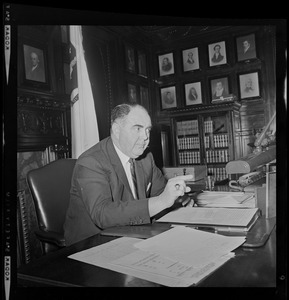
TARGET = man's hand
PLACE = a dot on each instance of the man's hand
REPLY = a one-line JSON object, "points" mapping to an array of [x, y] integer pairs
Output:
{"points": [[175, 187]]}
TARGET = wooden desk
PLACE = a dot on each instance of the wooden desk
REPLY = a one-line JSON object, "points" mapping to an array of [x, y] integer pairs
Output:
{"points": [[251, 267]]}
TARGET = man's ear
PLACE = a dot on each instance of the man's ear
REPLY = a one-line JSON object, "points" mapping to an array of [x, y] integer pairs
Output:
{"points": [[115, 129]]}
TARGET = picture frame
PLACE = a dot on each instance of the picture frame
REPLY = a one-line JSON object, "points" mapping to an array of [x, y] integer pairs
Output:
{"points": [[166, 64], [246, 47], [249, 85], [168, 97], [193, 93], [144, 97], [130, 59], [217, 53], [35, 66], [190, 59], [220, 88], [142, 63], [132, 93]]}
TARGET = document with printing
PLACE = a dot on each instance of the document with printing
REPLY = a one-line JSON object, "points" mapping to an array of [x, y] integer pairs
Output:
{"points": [[191, 256], [190, 246]]}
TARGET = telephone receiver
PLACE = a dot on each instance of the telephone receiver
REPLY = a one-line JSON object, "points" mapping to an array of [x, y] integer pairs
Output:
{"points": [[234, 184], [246, 179]]}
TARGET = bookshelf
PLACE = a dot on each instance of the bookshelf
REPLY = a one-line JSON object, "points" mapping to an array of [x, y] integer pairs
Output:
{"points": [[188, 142], [207, 137], [217, 145]]}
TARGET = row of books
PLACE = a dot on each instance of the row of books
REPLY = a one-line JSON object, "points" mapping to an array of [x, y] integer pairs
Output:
{"points": [[217, 156], [212, 156], [218, 173], [208, 126], [189, 157], [188, 143], [218, 140], [187, 127], [48, 155]]}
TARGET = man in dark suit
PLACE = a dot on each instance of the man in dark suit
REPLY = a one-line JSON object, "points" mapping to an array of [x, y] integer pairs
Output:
{"points": [[248, 51], [102, 190], [35, 73], [217, 57]]}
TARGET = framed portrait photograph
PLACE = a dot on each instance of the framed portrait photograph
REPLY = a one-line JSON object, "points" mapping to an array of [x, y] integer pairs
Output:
{"points": [[220, 89], [193, 93], [35, 65], [249, 85], [168, 97], [142, 63], [217, 54], [166, 64], [246, 47], [144, 97], [130, 58], [190, 59], [132, 93]]}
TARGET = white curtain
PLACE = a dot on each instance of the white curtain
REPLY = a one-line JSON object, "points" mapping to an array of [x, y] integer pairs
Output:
{"points": [[84, 128]]}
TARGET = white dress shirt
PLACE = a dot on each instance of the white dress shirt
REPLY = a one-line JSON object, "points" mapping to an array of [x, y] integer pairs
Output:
{"points": [[126, 165]]}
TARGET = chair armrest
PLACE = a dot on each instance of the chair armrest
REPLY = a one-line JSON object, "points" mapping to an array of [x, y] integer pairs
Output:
{"points": [[51, 237]]}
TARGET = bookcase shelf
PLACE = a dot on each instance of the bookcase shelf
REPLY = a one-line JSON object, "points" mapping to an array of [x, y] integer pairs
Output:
{"points": [[206, 138]]}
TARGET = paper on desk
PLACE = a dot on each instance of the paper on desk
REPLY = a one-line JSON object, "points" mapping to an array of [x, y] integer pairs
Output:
{"points": [[169, 272], [190, 246], [226, 199], [120, 255], [104, 254]]}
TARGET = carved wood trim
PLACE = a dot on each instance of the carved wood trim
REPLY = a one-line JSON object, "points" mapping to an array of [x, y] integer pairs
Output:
{"points": [[217, 107], [42, 102], [41, 122]]}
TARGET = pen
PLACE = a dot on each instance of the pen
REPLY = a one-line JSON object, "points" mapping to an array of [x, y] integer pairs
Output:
{"points": [[149, 185], [204, 228], [219, 231]]}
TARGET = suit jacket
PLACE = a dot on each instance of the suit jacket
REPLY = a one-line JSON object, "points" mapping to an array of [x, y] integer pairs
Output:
{"points": [[36, 75], [101, 196], [216, 59], [250, 53]]}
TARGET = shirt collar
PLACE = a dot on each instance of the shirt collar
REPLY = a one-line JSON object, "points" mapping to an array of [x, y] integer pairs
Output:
{"points": [[123, 158]]}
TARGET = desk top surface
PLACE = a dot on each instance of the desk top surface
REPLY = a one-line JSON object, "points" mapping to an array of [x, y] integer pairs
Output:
{"points": [[251, 267]]}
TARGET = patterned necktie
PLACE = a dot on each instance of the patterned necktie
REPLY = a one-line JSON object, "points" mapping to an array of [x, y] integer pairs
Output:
{"points": [[132, 169]]}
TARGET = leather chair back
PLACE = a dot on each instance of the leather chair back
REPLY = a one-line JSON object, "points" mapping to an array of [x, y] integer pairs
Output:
{"points": [[50, 189]]}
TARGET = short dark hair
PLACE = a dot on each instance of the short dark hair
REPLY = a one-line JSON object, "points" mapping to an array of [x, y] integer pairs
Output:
{"points": [[217, 46], [122, 110]]}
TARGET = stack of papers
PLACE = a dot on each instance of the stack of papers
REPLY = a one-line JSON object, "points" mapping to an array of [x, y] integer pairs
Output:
{"points": [[220, 218], [226, 199], [178, 257]]}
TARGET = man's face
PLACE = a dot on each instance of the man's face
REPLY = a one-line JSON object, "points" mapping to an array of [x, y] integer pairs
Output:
{"points": [[217, 49], [134, 132], [219, 86], [249, 83], [34, 59], [245, 44], [165, 61]]}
